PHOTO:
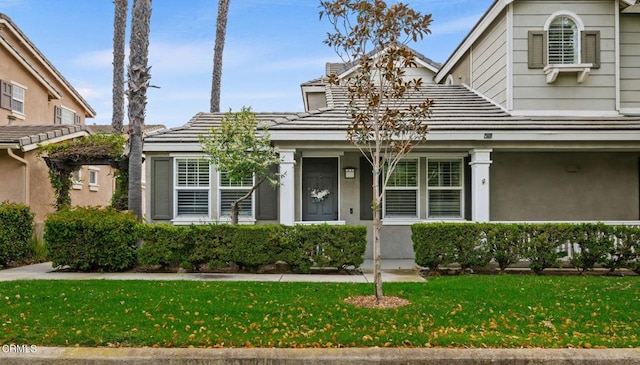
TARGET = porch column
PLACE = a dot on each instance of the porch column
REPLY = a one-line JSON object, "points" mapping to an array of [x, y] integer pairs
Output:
{"points": [[287, 187], [480, 162]]}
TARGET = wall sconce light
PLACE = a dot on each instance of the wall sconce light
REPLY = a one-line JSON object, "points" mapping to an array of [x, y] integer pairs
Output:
{"points": [[349, 172]]}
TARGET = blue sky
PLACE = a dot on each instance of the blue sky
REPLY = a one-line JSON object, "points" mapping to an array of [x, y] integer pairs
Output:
{"points": [[272, 47]]}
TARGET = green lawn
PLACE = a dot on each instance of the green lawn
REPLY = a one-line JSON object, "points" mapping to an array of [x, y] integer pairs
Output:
{"points": [[469, 311]]}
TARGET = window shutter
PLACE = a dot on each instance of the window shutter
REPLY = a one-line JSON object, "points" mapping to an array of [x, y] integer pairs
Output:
{"points": [[76, 119], [161, 188], [6, 94], [537, 48], [467, 188], [591, 47], [57, 115], [267, 199], [366, 190]]}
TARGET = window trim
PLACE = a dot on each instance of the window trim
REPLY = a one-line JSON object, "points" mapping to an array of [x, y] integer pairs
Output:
{"points": [[176, 188], [553, 70], [77, 183], [94, 172], [448, 188], [18, 113]]}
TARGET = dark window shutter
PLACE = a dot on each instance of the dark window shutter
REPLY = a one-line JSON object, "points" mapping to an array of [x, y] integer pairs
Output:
{"points": [[467, 188], [57, 115], [537, 48], [591, 47], [76, 119], [366, 190], [161, 188], [267, 199], [6, 94]]}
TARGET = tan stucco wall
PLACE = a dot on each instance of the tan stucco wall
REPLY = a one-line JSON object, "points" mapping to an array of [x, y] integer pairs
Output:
{"points": [[100, 195], [564, 186]]}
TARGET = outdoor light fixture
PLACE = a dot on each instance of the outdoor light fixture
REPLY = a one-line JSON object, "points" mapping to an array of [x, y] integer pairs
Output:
{"points": [[349, 172]]}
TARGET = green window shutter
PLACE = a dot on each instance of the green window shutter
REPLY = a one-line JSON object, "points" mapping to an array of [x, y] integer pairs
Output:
{"points": [[267, 199], [366, 190], [591, 47], [6, 94], [537, 48], [161, 188], [57, 115]]}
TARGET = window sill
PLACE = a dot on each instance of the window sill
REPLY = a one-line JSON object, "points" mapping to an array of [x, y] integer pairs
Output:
{"points": [[76, 186], [94, 187], [18, 115], [410, 221], [184, 221], [582, 69]]}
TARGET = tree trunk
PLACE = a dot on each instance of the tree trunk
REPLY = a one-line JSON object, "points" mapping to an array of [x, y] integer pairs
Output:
{"points": [[119, 29], [377, 225], [138, 83], [218, 48], [235, 210]]}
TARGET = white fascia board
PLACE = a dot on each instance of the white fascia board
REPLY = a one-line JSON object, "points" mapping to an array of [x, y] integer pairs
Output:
{"points": [[536, 136], [300, 135], [496, 8], [172, 146], [565, 113], [13, 146], [33, 146]]}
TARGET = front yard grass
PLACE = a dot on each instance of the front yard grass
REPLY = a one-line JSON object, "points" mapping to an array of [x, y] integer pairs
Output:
{"points": [[462, 311]]}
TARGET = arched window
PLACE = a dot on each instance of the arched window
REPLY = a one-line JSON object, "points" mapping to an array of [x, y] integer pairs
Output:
{"points": [[563, 41]]}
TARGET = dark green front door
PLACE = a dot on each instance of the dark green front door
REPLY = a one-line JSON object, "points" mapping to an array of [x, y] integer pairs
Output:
{"points": [[320, 189]]}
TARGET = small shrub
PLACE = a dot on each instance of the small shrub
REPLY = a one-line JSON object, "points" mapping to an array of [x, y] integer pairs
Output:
{"points": [[164, 245], [541, 247], [505, 242], [332, 246], [625, 248], [16, 230], [89, 239], [595, 242], [470, 245], [433, 244]]}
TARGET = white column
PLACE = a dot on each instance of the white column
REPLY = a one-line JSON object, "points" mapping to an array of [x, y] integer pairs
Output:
{"points": [[287, 187], [480, 162]]}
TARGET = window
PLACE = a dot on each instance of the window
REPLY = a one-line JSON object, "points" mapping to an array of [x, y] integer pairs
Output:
{"points": [[401, 194], [231, 191], [76, 179], [563, 41], [68, 116], [93, 178], [192, 187], [17, 99], [445, 184]]}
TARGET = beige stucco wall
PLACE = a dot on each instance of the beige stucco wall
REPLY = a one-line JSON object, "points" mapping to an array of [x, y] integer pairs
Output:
{"points": [[84, 194], [551, 186]]}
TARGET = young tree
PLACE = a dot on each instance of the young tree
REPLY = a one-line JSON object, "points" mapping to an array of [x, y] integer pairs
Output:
{"points": [[386, 120], [238, 150], [218, 48], [119, 29], [139, 77]]}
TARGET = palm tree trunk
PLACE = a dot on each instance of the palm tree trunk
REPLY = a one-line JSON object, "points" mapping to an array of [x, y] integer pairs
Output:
{"points": [[218, 48], [119, 29], [138, 83]]}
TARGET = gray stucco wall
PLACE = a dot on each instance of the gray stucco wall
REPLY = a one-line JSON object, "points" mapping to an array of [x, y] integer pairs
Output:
{"points": [[556, 186]]}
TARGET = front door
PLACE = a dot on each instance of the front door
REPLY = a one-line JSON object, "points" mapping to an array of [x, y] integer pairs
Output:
{"points": [[320, 189]]}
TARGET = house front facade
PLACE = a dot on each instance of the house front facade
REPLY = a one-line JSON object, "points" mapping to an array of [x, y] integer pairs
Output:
{"points": [[536, 117]]}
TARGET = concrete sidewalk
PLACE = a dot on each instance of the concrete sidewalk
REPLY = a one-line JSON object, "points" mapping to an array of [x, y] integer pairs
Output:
{"points": [[392, 271]]}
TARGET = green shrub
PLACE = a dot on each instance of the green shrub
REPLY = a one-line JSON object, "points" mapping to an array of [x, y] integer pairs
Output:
{"points": [[16, 230], [624, 251], [332, 246], [433, 244], [595, 242], [505, 243], [89, 239], [541, 247], [164, 245], [469, 245]]}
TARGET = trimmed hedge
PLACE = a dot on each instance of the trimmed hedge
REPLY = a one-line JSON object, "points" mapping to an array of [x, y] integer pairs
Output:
{"points": [[543, 245], [16, 230], [92, 239], [252, 246]]}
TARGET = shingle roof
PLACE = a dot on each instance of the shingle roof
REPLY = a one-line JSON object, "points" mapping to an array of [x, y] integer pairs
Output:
{"points": [[24, 135]]}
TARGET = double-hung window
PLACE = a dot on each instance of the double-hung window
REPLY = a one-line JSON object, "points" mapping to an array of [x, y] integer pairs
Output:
{"points": [[230, 191], [17, 99], [401, 194], [445, 187], [192, 187]]}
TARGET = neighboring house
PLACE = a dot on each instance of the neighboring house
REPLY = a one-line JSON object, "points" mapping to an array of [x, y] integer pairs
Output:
{"points": [[536, 117], [37, 106]]}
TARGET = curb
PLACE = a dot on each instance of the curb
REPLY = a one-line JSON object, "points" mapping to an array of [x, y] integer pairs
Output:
{"points": [[271, 356]]}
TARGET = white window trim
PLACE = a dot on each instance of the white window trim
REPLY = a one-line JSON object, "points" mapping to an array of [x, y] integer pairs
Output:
{"points": [[416, 188], [185, 220], [582, 69], [17, 114], [94, 171], [73, 121], [241, 218], [460, 188], [77, 183]]}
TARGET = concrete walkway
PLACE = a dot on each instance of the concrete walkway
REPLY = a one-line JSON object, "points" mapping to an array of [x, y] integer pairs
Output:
{"points": [[393, 271]]}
